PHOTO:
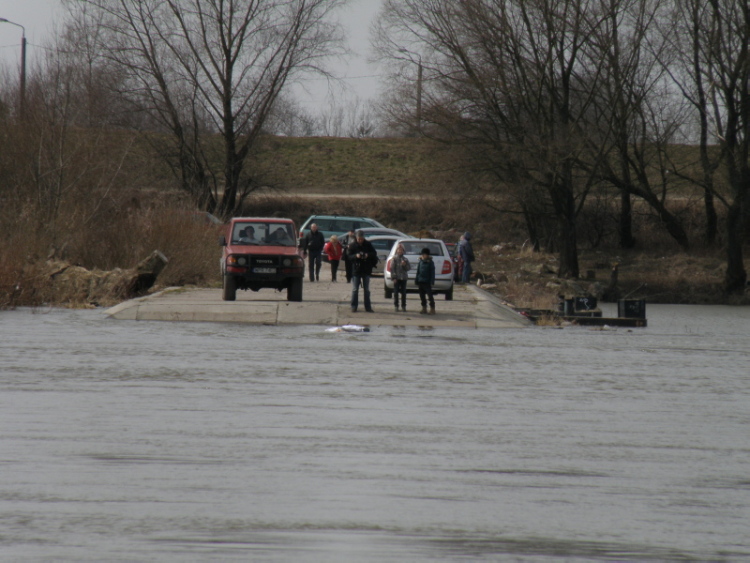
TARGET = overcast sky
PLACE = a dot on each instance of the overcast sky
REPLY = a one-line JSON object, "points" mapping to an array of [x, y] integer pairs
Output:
{"points": [[38, 19]]}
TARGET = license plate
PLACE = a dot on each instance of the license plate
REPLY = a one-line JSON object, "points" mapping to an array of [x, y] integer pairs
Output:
{"points": [[264, 270]]}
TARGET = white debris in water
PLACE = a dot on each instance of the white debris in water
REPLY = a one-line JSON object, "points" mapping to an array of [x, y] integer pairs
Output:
{"points": [[348, 328]]}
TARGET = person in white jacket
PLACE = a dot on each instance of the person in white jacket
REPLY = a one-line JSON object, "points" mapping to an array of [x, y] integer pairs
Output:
{"points": [[400, 267]]}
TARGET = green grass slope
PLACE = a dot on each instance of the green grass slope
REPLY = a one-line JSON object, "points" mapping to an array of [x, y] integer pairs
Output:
{"points": [[382, 166]]}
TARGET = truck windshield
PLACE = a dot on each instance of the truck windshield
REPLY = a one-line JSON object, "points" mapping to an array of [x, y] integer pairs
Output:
{"points": [[259, 233]]}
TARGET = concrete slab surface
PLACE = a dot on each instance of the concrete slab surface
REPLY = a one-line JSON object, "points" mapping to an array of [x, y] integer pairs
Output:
{"points": [[324, 303]]}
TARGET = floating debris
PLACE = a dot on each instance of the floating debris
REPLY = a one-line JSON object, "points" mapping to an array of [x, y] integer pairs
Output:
{"points": [[349, 328]]}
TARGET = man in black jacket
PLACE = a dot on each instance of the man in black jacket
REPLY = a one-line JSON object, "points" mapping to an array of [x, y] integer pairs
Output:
{"points": [[312, 248], [346, 241], [363, 258]]}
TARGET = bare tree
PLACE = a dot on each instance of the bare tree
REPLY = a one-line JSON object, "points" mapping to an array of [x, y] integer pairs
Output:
{"points": [[351, 118], [635, 111], [60, 164], [93, 81], [204, 66], [556, 97], [288, 118], [685, 34], [713, 74], [727, 69], [517, 81]]}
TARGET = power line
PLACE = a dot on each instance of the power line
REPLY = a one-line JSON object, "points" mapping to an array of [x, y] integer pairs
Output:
{"points": [[350, 77]]}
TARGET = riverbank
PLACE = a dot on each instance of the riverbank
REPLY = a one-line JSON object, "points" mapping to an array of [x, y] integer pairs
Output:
{"points": [[528, 279], [506, 266], [509, 271]]}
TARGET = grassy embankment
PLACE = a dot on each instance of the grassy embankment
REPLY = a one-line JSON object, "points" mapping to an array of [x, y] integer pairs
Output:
{"points": [[409, 184]]}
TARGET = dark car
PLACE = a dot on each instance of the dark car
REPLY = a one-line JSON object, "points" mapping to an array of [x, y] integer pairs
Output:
{"points": [[336, 224]]}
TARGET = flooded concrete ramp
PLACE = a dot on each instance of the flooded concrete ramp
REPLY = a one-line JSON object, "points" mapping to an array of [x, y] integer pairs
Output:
{"points": [[324, 303]]}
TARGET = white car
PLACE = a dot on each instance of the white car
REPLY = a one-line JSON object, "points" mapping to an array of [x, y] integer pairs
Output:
{"points": [[382, 238], [373, 232], [382, 245], [413, 249]]}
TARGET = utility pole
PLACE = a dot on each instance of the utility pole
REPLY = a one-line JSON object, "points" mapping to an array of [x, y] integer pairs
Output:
{"points": [[419, 95], [410, 57], [22, 108]]}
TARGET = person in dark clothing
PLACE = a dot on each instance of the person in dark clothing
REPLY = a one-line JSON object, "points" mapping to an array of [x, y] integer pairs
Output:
{"points": [[348, 239], [279, 235], [312, 249], [363, 258], [425, 280], [466, 252]]}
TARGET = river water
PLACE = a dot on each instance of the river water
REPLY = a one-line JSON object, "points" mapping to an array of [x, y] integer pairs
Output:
{"points": [[134, 441]]}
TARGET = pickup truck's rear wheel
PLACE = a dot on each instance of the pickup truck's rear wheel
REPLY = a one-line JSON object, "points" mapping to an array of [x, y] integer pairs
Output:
{"points": [[294, 291], [229, 288]]}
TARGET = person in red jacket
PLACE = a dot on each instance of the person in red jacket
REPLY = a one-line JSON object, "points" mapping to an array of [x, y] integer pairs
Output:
{"points": [[334, 251]]}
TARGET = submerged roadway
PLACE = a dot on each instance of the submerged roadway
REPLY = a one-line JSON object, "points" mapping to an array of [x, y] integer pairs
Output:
{"points": [[324, 303]]}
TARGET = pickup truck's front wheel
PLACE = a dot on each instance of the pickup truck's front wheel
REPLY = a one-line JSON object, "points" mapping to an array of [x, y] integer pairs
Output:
{"points": [[229, 289], [294, 291]]}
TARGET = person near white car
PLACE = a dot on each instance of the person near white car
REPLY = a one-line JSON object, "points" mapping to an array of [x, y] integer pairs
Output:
{"points": [[466, 252], [400, 267], [363, 257], [425, 280]]}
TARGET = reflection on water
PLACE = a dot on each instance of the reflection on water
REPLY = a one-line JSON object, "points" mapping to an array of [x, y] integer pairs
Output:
{"points": [[135, 440]]}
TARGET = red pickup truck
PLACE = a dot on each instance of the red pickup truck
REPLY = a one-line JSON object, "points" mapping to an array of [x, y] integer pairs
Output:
{"points": [[261, 252]]}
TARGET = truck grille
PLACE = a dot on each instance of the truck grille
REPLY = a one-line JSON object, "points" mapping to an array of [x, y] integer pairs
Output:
{"points": [[265, 261]]}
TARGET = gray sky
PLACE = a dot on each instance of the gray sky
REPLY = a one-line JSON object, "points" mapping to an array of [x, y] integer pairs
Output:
{"points": [[36, 16], [38, 19], [360, 78]]}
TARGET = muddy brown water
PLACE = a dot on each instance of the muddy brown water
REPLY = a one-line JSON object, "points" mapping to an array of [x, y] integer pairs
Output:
{"points": [[134, 441]]}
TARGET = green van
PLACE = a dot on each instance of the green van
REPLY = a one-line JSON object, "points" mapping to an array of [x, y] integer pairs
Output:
{"points": [[336, 224]]}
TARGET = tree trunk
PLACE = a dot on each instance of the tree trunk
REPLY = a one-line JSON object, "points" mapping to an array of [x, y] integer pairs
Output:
{"points": [[194, 180], [712, 221], [736, 276], [531, 227], [671, 223], [229, 200], [564, 204], [626, 220], [568, 249]]}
